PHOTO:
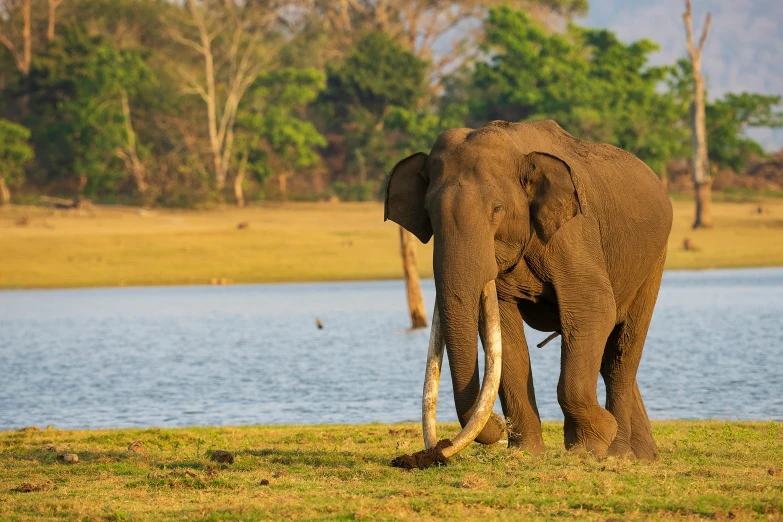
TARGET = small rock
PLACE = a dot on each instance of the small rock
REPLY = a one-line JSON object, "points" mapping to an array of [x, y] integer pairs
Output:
{"points": [[223, 457], [68, 458], [775, 472], [137, 447], [264, 482]]}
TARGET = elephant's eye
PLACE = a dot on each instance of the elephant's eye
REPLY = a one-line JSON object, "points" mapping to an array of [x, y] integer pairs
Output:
{"points": [[497, 208]]}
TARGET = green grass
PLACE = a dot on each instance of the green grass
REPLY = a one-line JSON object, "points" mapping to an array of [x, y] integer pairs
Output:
{"points": [[705, 470], [293, 242]]}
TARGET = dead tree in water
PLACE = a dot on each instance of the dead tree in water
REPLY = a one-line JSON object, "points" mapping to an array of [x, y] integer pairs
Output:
{"points": [[411, 268], [702, 182]]}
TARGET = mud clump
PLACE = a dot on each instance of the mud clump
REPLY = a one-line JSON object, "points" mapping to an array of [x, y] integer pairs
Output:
{"points": [[223, 457], [423, 459], [32, 487], [264, 482]]}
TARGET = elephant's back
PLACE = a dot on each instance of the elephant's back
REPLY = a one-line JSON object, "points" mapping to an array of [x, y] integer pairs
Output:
{"points": [[635, 216]]}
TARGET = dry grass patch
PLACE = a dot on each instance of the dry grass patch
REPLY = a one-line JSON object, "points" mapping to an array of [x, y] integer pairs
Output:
{"points": [[292, 242]]}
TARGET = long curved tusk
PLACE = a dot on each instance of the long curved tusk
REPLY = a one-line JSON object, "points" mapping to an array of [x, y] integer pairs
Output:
{"points": [[493, 351], [429, 400]]}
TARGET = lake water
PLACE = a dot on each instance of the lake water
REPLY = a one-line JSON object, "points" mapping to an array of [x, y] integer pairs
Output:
{"points": [[184, 356]]}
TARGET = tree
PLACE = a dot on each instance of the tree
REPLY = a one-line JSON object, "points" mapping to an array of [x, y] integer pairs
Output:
{"points": [[13, 10], [376, 77], [701, 173], [418, 25], [595, 86], [272, 138], [728, 118], [15, 151], [80, 90], [229, 40], [53, 5]]}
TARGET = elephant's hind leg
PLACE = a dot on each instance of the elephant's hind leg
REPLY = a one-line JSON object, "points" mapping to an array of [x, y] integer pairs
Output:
{"points": [[618, 368], [517, 395], [642, 441]]}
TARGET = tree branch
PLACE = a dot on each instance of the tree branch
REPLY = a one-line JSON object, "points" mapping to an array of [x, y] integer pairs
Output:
{"points": [[705, 31]]}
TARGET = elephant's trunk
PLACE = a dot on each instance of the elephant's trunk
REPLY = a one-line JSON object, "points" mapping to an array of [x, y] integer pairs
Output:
{"points": [[473, 413]]}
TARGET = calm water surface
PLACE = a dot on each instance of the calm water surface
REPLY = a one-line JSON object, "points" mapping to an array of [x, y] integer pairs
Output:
{"points": [[182, 356]]}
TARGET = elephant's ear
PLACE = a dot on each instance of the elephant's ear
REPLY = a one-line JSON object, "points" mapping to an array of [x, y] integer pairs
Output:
{"points": [[405, 192], [554, 194]]}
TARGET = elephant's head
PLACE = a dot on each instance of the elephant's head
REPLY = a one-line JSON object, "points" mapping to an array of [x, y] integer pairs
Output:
{"points": [[482, 198]]}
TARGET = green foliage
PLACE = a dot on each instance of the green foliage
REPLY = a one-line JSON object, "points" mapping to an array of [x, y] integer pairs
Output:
{"points": [[15, 151], [371, 100], [727, 121], [595, 86], [76, 116], [376, 75], [271, 134]]}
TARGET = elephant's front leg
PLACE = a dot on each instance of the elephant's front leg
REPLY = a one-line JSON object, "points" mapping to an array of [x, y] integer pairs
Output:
{"points": [[587, 317], [516, 384]]}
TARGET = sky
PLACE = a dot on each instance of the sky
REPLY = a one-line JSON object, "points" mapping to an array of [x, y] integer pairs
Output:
{"points": [[744, 49]]}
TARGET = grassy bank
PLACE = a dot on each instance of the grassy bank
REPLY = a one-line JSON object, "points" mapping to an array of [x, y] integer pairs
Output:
{"points": [[40, 248], [706, 469]]}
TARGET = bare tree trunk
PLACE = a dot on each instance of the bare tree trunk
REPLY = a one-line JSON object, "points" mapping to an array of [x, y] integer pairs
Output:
{"points": [[410, 268], [130, 156], [702, 181], [239, 193], [222, 95], [282, 185], [24, 57], [27, 37], [53, 4], [5, 194]]}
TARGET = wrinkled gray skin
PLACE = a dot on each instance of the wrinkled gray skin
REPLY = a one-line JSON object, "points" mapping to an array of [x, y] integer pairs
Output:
{"points": [[574, 234]]}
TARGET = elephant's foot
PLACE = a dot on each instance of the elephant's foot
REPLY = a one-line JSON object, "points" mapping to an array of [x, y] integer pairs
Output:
{"points": [[528, 438], [530, 443], [620, 449], [593, 431], [643, 445]]}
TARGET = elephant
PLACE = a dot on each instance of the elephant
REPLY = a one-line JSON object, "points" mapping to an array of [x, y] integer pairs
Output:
{"points": [[533, 225]]}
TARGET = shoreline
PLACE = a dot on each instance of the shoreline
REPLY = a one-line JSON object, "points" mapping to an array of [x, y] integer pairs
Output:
{"points": [[328, 281], [556, 424]]}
